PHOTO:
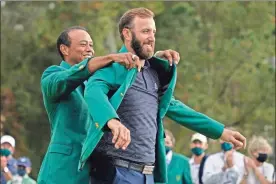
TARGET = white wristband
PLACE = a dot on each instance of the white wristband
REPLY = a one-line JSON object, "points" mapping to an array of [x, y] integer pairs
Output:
{"points": [[6, 169]]}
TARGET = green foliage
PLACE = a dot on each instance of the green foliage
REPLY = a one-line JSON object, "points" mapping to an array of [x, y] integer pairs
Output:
{"points": [[224, 70]]}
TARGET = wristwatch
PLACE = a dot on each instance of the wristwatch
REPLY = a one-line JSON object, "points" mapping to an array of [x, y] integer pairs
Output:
{"points": [[6, 169]]}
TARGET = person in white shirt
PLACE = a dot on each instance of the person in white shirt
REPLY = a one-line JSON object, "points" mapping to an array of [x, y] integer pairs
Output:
{"points": [[225, 167], [258, 171], [198, 146]]}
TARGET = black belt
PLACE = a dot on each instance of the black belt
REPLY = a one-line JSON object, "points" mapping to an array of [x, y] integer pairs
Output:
{"points": [[144, 169]]}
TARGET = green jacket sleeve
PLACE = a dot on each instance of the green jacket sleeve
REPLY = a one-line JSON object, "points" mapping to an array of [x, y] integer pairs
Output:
{"points": [[57, 82], [194, 120], [96, 95]]}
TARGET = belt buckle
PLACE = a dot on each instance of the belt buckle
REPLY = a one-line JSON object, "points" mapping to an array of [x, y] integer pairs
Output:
{"points": [[148, 169]]}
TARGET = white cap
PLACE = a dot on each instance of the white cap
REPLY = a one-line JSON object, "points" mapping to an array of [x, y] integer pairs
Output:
{"points": [[9, 139], [200, 137]]}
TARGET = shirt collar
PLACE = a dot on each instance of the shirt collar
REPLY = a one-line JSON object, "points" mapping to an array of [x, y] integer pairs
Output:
{"points": [[192, 160], [169, 157], [64, 64], [147, 64], [123, 49]]}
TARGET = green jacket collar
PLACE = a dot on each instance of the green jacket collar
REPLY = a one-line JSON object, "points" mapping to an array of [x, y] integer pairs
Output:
{"points": [[64, 64], [123, 49]]}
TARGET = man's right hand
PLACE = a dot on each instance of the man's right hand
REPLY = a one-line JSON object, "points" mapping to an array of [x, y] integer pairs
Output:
{"points": [[121, 135], [128, 60], [234, 137]]}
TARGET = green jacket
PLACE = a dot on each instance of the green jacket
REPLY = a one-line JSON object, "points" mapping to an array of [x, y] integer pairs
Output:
{"points": [[179, 170], [69, 122], [102, 108]]}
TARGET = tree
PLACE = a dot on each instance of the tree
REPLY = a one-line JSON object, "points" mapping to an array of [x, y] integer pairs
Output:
{"points": [[223, 72]]}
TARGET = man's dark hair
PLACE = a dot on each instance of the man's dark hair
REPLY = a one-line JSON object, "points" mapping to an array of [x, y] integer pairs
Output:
{"points": [[65, 39]]}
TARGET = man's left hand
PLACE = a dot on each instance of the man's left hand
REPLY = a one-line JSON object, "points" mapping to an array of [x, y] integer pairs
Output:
{"points": [[170, 55]]}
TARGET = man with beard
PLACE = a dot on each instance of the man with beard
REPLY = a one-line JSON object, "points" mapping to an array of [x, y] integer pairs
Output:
{"points": [[62, 88], [139, 101]]}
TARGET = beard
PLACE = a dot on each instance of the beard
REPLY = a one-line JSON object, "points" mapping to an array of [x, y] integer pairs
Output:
{"points": [[138, 48]]}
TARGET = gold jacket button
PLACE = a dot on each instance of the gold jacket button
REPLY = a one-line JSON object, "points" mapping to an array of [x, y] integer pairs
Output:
{"points": [[97, 125]]}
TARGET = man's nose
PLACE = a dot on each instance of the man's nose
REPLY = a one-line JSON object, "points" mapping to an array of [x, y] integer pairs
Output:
{"points": [[152, 38], [90, 49]]}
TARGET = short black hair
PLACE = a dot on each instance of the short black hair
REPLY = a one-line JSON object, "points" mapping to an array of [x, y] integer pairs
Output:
{"points": [[64, 38]]}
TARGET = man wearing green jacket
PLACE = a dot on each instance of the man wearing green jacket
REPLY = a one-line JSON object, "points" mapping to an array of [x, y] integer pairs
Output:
{"points": [[62, 88], [178, 165], [138, 100]]}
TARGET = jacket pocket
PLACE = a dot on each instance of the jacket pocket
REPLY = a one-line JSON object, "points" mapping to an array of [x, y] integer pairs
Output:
{"points": [[60, 148]]}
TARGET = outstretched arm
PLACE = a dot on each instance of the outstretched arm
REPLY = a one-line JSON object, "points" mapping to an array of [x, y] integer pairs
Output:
{"points": [[57, 82], [201, 123], [194, 120]]}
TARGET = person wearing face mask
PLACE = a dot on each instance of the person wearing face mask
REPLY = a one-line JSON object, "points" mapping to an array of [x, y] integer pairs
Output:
{"points": [[258, 171], [225, 167], [8, 142], [23, 170], [62, 88], [198, 146], [139, 101], [5, 172], [177, 164]]}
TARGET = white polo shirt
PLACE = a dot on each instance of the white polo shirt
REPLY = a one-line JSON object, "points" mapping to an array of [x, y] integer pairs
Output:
{"points": [[194, 170], [213, 172], [266, 169]]}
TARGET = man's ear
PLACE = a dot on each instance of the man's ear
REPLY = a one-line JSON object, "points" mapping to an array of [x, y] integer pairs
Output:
{"points": [[127, 34], [64, 49]]}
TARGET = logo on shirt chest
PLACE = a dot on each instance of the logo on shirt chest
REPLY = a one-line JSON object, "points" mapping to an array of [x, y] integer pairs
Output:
{"points": [[178, 177], [155, 86]]}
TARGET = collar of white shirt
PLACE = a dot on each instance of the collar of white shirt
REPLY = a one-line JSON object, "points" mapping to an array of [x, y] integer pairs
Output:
{"points": [[192, 160], [169, 157]]}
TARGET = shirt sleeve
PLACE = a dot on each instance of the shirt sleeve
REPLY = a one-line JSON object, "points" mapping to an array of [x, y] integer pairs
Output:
{"points": [[12, 166], [191, 119], [269, 173], [213, 174], [57, 82], [96, 95]]}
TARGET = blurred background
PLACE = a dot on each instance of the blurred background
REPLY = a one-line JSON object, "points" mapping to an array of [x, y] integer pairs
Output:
{"points": [[227, 67]]}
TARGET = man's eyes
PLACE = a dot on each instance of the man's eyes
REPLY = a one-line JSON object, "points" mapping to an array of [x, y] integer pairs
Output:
{"points": [[147, 31], [85, 44]]}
